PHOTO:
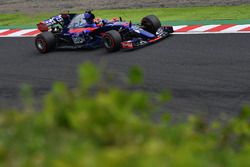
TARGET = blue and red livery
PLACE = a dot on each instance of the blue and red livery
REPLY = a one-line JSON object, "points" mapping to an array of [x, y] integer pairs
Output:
{"points": [[86, 31]]}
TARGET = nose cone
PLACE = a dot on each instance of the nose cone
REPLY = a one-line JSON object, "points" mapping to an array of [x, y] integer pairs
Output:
{"points": [[147, 34]]}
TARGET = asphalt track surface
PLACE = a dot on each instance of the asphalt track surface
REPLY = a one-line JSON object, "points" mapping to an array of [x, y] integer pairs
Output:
{"points": [[207, 74]]}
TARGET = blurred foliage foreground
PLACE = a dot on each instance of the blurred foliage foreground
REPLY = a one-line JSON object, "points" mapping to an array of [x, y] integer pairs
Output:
{"points": [[101, 125]]}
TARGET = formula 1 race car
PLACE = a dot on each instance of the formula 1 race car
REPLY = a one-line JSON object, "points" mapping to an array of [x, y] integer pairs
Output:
{"points": [[86, 31]]}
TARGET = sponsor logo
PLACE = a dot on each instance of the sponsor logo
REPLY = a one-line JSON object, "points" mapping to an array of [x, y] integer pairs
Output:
{"points": [[53, 20], [128, 44]]}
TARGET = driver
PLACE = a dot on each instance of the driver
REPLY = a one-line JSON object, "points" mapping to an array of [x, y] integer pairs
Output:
{"points": [[89, 17]]}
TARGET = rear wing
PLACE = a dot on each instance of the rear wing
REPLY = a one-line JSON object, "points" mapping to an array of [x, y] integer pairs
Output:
{"points": [[62, 19]]}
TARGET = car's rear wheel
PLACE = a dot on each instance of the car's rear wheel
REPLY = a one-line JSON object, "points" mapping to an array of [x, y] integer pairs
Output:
{"points": [[45, 42], [112, 41], [151, 23]]}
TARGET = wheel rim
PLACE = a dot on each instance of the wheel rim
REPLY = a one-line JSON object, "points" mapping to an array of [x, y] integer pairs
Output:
{"points": [[108, 42], [41, 44]]}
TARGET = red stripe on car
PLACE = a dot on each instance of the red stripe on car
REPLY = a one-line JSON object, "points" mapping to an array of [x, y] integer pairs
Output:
{"points": [[155, 39], [78, 30], [9, 32], [220, 28], [188, 28]]}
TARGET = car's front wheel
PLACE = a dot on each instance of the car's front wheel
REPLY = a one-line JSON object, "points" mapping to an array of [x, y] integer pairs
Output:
{"points": [[151, 23], [112, 41], [45, 42]]}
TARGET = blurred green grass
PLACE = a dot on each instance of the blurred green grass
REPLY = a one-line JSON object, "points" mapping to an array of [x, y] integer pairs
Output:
{"points": [[111, 126], [165, 14]]}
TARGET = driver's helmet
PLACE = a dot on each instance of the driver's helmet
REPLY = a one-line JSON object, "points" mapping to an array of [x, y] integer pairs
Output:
{"points": [[89, 17]]}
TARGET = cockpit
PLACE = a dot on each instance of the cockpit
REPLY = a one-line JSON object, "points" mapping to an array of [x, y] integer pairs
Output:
{"points": [[78, 21]]}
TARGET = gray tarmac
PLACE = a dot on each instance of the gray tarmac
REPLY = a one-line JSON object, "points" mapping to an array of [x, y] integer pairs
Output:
{"points": [[207, 74]]}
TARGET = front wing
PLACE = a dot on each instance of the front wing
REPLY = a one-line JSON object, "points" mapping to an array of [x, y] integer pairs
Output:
{"points": [[162, 33]]}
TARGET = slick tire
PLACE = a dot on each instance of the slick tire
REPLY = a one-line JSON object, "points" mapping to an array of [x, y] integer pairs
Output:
{"points": [[45, 42], [112, 41], [151, 23]]}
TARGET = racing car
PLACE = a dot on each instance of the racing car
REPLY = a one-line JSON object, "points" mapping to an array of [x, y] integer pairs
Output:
{"points": [[85, 31]]}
